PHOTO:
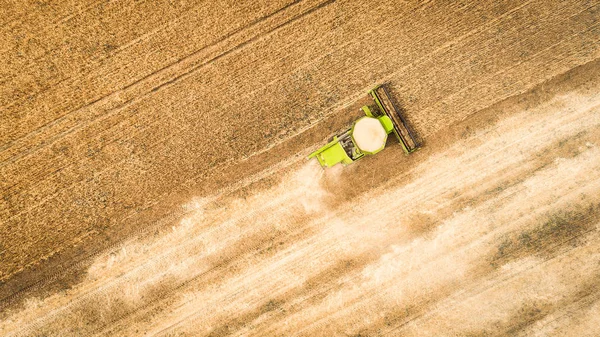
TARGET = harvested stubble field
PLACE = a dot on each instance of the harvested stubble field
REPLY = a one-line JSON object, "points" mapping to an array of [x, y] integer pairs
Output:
{"points": [[154, 177]]}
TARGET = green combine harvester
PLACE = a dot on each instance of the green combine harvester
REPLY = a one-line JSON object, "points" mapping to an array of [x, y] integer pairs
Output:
{"points": [[368, 134]]}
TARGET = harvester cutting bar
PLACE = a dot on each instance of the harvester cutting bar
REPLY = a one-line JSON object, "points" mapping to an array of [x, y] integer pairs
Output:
{"points": [[401, 129]]}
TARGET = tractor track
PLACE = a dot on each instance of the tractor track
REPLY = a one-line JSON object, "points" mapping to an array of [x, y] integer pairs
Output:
{"points": [[482, 159], [183, 60], [92, 183]]}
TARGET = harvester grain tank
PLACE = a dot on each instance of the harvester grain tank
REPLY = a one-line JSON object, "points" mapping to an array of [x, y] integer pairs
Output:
{"points": [[368, 134]]}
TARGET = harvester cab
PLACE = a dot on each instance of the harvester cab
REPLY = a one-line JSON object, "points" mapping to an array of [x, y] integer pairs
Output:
{"points": [[368, 134]]}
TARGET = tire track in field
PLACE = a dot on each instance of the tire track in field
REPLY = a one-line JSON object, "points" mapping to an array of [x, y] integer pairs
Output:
{"points": [[167, 24], [271, 82], [297, 17], [246, 96], [143, 232], [568, 128], [148, 77], [204, 63], [146, 206], [168, 137], [49, 143]]}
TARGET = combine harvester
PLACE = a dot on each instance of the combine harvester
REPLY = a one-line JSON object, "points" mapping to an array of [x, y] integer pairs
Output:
{"points": [[368, 134]]}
